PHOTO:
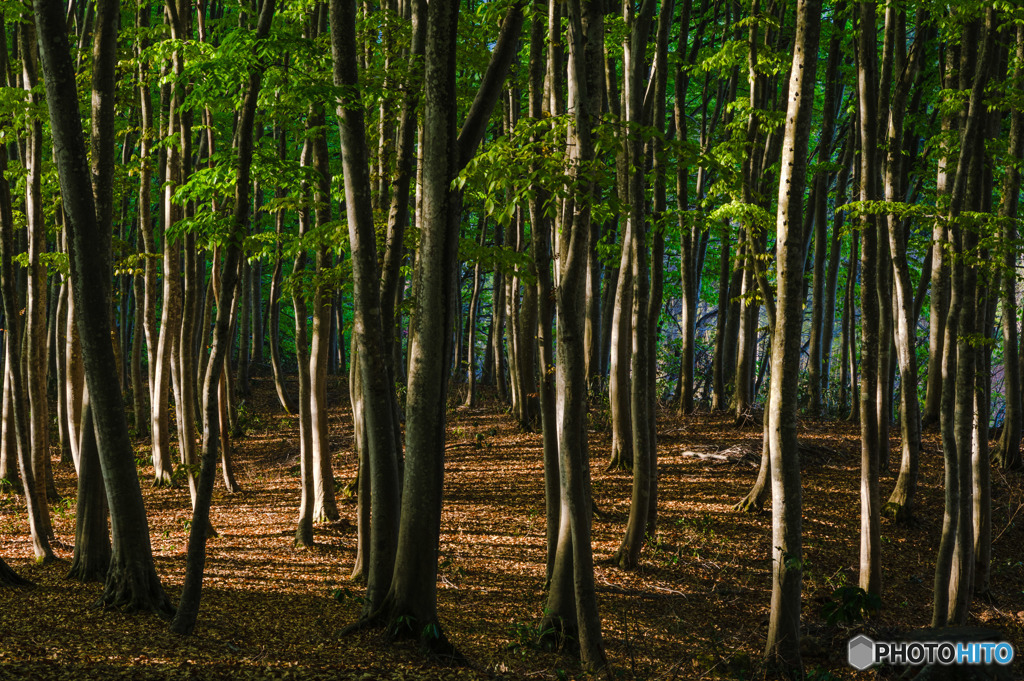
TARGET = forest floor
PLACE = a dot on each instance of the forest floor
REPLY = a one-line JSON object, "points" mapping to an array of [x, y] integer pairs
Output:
{"points": [[697, 606]]}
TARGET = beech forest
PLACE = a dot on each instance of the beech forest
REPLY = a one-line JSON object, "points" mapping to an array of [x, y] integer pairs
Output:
{"points": [[511, 339]]}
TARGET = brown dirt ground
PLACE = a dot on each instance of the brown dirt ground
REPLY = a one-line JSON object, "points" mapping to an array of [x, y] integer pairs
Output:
{"points": [[697, 607]]}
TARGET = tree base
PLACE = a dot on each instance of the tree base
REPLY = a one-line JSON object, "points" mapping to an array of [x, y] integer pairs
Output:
{"points": [[897, 512], [557, 635], [304, 536], [749, 504], [326, 515], [403, 626], [9, 577], [85, 570], [135, 590], [163, 480], [619, 462]]}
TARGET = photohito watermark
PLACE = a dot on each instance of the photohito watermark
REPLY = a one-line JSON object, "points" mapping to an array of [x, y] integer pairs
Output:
{"points": [[864, 652]]}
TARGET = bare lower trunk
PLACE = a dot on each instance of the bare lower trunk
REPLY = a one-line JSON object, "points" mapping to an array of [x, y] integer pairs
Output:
{"points": [[618, 385], [92, 540]]}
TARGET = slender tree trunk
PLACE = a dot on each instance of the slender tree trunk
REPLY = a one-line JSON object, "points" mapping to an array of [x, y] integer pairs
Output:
{"points": [[17, 401], [474, 304], [954, 566], [642, 383], [304, 529], [284, 397], [325, 506], [188, 607], [34, 338], [901, 503], [783, 647], [574, 545], [870, 503], [618, 384], [1007, 454]]}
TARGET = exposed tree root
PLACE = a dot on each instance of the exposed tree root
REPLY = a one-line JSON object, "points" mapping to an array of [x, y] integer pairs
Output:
{"points": [[85, 570], [134, 589], [749, 504], [559, 635], [899, 513], [9, 577]]}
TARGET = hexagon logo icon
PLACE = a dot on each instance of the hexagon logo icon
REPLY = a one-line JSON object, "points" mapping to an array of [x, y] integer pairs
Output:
{"points": [[861, 652]]}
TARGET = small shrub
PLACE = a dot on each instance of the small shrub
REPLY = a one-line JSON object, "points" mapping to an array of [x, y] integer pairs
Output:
{"points": [[850, 604]]}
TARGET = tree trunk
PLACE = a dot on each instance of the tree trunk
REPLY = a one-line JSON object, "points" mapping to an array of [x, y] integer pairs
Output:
{"points": [[132, 581], [304, 529], [92, 540], [15, 418], [642, 383], [34, 338], [1007, 454], [954, 566], [188, 606], [474, 304], [618, 383], [574, 545], [816, 362], [901, 503], [325, 507], [283, 396], [378, 469], [870, 503], [410, 607], [783, 648]]}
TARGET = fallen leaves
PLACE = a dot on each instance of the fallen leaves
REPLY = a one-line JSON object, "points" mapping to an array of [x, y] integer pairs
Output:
{"points": [[696, 606]]}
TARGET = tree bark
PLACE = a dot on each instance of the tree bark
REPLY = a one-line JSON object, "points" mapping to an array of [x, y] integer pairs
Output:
{"points": [[188, 607], [34, 338], [132, 581], [1007, 454], [378, 470], [783, 648], [642, 383], [15, 419]]}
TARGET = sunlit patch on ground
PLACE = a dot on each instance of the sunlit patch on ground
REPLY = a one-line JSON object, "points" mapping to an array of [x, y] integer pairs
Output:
{"points": [[697, 607]]}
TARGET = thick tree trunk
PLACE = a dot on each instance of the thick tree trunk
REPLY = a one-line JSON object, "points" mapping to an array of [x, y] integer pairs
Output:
{"points": [[132, 581], [92, 540], [410, 607], [411, 603], [378, 459]]}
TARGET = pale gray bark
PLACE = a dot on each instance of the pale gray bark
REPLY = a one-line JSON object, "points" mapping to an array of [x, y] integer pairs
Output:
{"points": [[783, 647]]}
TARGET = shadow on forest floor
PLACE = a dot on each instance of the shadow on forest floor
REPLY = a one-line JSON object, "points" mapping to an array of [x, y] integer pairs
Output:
{"points": [[696, 607]]}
